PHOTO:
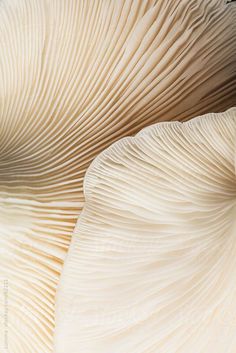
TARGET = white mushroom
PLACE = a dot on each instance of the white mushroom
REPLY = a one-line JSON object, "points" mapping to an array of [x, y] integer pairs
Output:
{"points": [[74, 77], [152, 263]]}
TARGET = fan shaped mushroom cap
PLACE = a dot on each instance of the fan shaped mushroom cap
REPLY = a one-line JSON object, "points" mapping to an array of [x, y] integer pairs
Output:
{"points": [[74, 77], [152, 263]]}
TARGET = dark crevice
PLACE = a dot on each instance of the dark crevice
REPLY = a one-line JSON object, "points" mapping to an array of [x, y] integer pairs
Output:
{"points": [[229, 1]]}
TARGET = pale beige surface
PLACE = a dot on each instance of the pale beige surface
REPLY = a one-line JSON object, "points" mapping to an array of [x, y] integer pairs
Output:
{"points": [[152, 263], [75, 76]]}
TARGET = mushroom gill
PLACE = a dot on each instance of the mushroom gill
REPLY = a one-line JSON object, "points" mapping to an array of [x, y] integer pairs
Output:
{"points": [[76, 75], [152, 262]]}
